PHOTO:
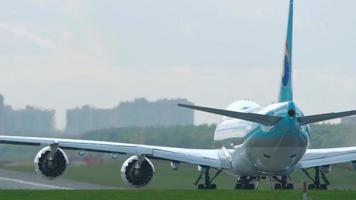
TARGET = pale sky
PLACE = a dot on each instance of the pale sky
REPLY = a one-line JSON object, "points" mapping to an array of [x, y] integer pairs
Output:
{"points": [[62, 54]]}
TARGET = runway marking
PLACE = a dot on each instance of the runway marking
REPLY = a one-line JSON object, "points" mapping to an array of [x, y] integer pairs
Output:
{"points": [[35, 184]]}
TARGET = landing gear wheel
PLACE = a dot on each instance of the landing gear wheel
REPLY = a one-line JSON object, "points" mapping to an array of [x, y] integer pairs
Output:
{"points": [[244, 183], [290, 186], [320, 181], [283, 183], [208, 181], [324, 187], [212, 187], [277, 186], [209, 187], [238, 186], [250, 186], [201, 187], [311, 187]]}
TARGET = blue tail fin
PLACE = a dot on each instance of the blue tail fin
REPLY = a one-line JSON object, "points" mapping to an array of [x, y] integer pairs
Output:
{"points": [[286, 90]]}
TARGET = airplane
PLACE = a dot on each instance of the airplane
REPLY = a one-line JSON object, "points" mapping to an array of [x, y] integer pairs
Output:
{"points": [[256, 142]]}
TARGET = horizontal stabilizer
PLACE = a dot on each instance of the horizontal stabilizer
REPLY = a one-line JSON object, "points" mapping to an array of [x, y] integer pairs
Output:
{"points": [[252, 117], [323, 117]]}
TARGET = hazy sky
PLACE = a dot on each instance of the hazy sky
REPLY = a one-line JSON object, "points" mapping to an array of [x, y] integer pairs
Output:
{"points": [[62, 54]]}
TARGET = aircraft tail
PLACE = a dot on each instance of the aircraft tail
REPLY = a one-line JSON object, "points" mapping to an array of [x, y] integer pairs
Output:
{"points": [[286, 90], [266, 120], [269, 120], [326, 116]]}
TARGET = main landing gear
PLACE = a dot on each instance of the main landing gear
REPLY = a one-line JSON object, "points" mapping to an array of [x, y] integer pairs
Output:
{"points": [[283, 183], [244, 183], [208, 182], [318, 176]]}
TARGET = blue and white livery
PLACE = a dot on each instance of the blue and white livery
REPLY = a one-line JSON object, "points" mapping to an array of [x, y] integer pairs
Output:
{"points": [[255, 142]]}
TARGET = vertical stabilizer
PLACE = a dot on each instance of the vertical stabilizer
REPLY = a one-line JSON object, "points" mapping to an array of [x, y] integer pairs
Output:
{"points": [[286, 90]]}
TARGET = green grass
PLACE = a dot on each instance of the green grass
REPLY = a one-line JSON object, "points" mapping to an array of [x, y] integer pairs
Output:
{"points": [[172, 195], [109, 174], [165, 178]]}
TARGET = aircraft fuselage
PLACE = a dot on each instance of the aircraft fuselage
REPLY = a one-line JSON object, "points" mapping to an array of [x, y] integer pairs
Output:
{"points": [[256, 149]]}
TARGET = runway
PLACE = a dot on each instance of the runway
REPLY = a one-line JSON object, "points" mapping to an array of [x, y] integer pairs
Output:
{"points": [[20, 180]]}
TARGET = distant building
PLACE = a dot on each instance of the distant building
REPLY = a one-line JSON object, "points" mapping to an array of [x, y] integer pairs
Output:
{"points": [[348, 120], [86, 118], [2, 114], [140, 113], [29, 120], [163, 112]]}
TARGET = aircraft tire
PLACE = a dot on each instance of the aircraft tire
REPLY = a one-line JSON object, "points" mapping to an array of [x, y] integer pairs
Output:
{"points": [[238, 186], [324, 187], [250, 186], [311, 187], [277, 186], [212, 186], [290, 186], [201, 187]]}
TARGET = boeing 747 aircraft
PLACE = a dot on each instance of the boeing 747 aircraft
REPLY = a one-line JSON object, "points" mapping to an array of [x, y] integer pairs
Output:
{"points": [[257, 142]]}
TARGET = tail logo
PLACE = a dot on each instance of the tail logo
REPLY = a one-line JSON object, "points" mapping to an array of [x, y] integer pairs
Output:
{"points": [[286, 71]]}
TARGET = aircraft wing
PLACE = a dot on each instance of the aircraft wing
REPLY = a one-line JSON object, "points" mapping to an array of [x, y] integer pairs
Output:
{"points": [[215, 158], [329, 156]]}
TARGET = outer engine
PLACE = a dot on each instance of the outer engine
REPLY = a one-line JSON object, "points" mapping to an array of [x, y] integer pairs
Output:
{"points": [[51, 166], [137, 172]]}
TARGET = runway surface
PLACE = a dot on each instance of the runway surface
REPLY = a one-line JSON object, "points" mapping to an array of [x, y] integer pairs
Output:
{"points": [[20, 180]]}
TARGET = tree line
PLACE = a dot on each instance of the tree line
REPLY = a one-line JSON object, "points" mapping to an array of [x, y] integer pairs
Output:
{"points": [[201, 136]]}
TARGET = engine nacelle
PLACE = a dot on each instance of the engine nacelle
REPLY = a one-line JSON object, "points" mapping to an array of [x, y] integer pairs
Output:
{"points": [[51, 168], [137, 172]]}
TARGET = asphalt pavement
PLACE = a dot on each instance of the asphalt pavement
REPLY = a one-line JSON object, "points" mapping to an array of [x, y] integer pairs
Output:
{"points": [[19, 180]]}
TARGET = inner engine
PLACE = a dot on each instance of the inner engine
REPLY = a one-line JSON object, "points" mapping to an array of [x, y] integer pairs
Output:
{"points": [[51, 165], [137, 171]]}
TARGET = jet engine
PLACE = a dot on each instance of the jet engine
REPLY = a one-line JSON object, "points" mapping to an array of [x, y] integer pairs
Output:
{"points": [[51, 162], [137, 171]]}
